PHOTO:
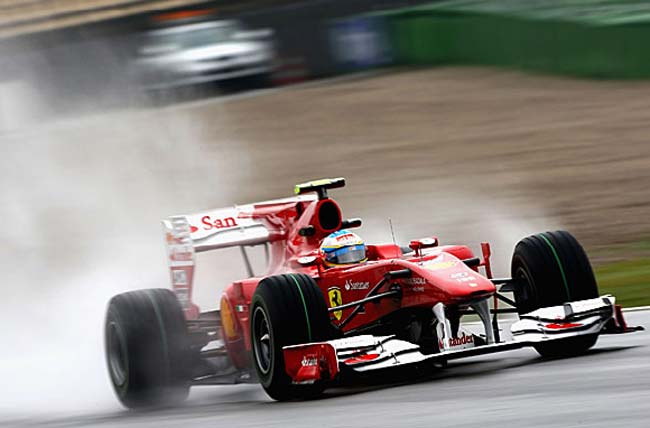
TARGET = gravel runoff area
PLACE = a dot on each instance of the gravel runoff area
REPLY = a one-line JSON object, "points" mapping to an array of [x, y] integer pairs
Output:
{"points": [[554, 151]]}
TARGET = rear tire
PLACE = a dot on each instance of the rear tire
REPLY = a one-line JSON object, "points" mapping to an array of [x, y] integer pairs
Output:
{"points": [[286, 310], [147, 348], [552, 269]]}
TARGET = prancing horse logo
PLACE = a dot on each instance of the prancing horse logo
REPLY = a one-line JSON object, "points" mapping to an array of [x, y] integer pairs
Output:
{"points": [[334, 294]]}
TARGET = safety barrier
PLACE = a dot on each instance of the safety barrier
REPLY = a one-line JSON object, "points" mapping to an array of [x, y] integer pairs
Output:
{"points": [[612, 46]]}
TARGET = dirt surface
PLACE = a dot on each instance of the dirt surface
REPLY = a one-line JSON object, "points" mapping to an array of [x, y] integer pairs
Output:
{"points": [[446, 143]]}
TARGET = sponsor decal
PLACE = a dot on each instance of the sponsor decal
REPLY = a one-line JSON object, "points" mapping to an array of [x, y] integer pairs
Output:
{"points": [[417, 284], [309, 361], [345, 237], [356, 285], [415, 281], [218, 223], [462, 341], [179, 277], [177, 236], [440, 265], [464, 277], [180, 253], [335, 298]]}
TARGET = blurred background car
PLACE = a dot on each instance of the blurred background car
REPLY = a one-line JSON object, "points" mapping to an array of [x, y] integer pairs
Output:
{"points": [[196, 53]]}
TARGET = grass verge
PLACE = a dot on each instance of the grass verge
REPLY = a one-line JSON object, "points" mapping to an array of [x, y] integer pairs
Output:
{"points": [[628, 280]]}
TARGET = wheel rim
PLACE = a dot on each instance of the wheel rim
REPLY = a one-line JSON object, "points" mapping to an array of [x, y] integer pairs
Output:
{"points": [[116, 355], [262, 340]]}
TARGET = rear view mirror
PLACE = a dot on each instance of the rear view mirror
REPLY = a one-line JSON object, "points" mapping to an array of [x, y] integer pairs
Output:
{"points": [[418, 244], [309, 260]]}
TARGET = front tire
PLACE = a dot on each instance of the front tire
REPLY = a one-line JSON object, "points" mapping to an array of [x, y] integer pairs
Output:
{"points": [[147, 348], [286, 310], [552, 268]]}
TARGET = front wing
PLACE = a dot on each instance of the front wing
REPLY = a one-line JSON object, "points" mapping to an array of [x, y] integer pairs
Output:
{"points": [[308, 363]]}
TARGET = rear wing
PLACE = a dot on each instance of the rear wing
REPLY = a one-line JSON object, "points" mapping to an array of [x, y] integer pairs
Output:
{"points": [[237, 226]]}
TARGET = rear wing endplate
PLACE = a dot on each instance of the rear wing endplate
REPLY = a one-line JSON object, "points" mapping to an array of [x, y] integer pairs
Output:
{"points": [[236, 226]]}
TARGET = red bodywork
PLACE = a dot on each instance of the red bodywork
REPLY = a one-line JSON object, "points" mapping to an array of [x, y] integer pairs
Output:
{"points": [[438, 275]]}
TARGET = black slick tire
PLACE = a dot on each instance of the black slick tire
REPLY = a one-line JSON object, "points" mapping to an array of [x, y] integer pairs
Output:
{"points": [[286, 310], [147, 348], [552, 268]]}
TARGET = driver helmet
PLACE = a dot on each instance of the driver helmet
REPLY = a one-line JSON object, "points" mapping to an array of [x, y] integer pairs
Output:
{"points": [[343, 247]]}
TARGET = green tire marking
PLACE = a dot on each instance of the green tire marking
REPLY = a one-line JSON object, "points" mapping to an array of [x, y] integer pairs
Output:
{"points": [[304, 305], [163, 332], [557, 259]]}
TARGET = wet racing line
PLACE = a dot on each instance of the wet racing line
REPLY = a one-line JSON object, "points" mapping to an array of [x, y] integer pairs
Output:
{"points": [[606, 387]]}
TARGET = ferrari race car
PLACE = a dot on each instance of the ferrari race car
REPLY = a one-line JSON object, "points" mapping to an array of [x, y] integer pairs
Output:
{"points": [[305, 325]]}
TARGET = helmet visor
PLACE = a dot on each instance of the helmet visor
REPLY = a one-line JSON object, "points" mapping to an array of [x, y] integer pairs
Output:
{"points": [[348, 255]]}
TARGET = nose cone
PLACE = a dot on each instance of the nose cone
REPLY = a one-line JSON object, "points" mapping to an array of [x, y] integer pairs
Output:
{"points": [[453, 280]]}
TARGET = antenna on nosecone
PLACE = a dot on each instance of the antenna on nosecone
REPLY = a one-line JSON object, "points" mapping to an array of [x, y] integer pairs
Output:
{"points": [[392, 232]]}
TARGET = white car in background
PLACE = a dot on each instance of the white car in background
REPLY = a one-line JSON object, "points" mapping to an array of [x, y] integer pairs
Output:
{"points": [[196, 53]]}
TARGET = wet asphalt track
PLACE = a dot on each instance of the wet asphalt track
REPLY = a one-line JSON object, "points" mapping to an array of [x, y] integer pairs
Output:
{"points": [[609, 387]]}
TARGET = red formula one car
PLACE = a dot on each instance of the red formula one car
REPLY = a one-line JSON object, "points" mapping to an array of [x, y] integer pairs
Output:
{"points": [[305, 324]]}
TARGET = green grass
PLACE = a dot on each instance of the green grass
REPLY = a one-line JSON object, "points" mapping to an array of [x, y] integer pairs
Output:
{"points": [[629, 281]]}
